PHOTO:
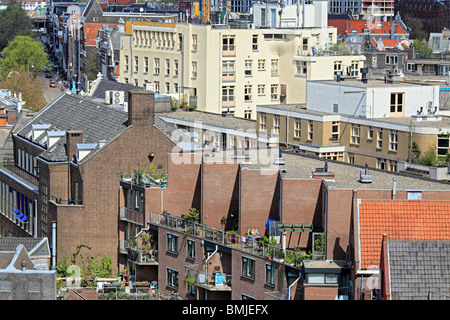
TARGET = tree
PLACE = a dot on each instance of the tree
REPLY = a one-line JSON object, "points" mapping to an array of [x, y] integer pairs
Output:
{"points": [[30, 87], [422, 50], [13, 22], [416, 28], [23, 53]]}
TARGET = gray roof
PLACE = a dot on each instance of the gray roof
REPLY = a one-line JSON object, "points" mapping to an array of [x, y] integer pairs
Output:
{"points": [[108, 85], [72, 112], [418, 267], [9, 244]]}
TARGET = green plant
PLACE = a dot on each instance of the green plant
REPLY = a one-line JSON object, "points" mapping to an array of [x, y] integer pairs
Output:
{"points": [[190, 281], [193, 215], [319, 243]]}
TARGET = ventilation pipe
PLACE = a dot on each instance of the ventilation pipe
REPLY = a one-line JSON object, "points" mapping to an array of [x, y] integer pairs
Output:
{"points": [[394, 187], [53, 244]]}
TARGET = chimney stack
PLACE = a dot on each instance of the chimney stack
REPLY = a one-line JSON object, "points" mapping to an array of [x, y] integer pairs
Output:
{"points": [[141, 108], [72, 139]]}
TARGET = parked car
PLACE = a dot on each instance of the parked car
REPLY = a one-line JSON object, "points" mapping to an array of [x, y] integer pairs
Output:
{"points": [[52, 83], [48, 75]]}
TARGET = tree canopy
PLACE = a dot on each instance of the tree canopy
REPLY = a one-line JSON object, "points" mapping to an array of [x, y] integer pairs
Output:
{"points": [[23, 53], [13, 22]]}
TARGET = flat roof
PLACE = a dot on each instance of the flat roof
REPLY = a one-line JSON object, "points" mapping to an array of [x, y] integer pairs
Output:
{"points": [[346, 176], [212, 119], [371, 83]]}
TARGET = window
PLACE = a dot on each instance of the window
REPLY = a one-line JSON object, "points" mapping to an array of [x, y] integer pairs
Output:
{"points": [[370, 133], [194, 69], [136, 64], [396, 103], [156, 86], [34, 285], [248, 267], [393, 165], [380, 138], [228, 70], [392, 60], [354, 68], [172, 278], [228, 96], [298, 128], [351, 157], [247, 297], [301, 67], [274, 91], [305, 44], [175, 88], [228, 45], [248, 92], [175, 68], [194, 42], [156, 66], [262, 121], [393, 140], [335, 131], [248, 114], [5, 285], [274, 65], [167, 67], [337, 67], [317, 278], [355, 137], [443, 145], [167, 87], [126, 63], [261, 89], [146, 64], [276, 124], [191, 249], [248, 67], [381, 163], [255, 42], [270, 276], [172, 243], [261, 64], [310, 129]]}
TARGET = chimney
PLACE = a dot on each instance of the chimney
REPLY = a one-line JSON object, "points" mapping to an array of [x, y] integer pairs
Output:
{"points": [[364, 176], [11, 115], [72, 139], [141, 108]]}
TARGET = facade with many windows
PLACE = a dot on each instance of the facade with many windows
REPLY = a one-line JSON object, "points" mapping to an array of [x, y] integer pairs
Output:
{"points": [[334, 127], [221, 71]]}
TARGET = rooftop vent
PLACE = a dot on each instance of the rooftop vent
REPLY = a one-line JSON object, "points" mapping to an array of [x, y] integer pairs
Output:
{"points": [[279, 160], [364, 176], [323, 172]]}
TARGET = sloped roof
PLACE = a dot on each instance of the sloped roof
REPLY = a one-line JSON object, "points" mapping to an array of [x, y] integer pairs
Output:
{"points": [[107, 85], [418, 267], [400, 220], [346, 26], [9, 244], [72, 112]]}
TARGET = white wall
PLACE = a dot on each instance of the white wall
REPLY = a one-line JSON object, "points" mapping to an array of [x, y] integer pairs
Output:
{"points": [[371, 102]]}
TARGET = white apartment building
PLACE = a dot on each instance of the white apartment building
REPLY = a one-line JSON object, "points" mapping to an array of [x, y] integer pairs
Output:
{"points": [[224, 70]]}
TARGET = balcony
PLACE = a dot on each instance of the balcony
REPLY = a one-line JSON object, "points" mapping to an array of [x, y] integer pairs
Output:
{"points": [[211, 282], [10, 166], [143, 257], [132, 216], [246, 244]]}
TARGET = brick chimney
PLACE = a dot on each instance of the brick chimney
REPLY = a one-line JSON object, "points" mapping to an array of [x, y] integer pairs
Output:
{"points": [[72, 138], [11, 115], [141, 108]]}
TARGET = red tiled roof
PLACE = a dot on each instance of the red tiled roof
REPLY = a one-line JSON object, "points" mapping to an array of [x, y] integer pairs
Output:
{"points": [[91, 31], [379, 27], [400, 220]]}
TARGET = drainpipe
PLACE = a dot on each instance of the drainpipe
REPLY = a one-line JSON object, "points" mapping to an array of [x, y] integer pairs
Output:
{"points": [[53, 244], [394, 187], [207, 259]]}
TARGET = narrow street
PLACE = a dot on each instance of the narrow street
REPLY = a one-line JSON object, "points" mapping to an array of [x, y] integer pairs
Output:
{"points": [[50, 93]]}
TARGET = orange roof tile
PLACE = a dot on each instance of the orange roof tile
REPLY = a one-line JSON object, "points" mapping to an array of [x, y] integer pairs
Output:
{"points": [[400, 220]]}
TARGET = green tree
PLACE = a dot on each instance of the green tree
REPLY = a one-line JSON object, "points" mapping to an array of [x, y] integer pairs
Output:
{"points": [[13, 22], [416, 28], [23, 53], [422, 50]]}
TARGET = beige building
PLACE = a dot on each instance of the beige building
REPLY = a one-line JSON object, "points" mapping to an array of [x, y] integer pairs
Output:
{"points": [[229, 70], [382, 142]]}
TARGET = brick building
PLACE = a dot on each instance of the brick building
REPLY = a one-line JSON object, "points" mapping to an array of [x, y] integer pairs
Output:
{"points": [[308, 198], [66, 172]]}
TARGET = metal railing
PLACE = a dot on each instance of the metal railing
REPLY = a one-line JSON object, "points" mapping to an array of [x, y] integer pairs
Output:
{"points": [[9, 164], [217, 282], [126, 214], [136, 293], [249, 245], [143, 256]]}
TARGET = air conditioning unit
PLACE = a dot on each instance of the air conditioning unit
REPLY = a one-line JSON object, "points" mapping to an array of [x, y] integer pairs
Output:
{"points": [[150, 87], [117, 97], [108, 97]]}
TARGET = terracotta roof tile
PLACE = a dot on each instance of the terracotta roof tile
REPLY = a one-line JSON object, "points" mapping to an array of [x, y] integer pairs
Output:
{"points": [[400, 220]]}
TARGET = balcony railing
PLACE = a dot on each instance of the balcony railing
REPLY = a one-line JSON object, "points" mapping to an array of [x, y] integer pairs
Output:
{"points": [[11, 166], [211, 282], [143, 257], [246, 244], [133, 216]]}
